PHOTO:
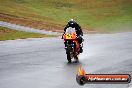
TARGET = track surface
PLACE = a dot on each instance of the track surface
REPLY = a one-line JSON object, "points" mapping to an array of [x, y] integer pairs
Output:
{"points": [[41, 63], [26, 29]]}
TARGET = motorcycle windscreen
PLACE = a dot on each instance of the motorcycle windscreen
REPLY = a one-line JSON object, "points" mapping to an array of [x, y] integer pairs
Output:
{"points": [[70, 33]]}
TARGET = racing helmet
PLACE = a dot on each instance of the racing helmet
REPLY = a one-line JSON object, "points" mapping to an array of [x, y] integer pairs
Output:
{"points": [[71, 23]]}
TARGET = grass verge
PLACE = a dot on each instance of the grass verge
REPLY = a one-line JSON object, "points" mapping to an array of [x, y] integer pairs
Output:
{"points": [[10, 34], [98, 15]]}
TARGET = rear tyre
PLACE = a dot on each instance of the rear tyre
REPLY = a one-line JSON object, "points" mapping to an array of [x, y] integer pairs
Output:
{"points": [[76, 58], [69, 57]]}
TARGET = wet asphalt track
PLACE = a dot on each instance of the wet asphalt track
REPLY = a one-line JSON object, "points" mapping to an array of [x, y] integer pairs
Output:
{"points": [[41, 63]]}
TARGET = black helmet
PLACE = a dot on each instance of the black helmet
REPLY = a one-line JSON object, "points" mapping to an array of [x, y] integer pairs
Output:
{"points": [[71, 23]]}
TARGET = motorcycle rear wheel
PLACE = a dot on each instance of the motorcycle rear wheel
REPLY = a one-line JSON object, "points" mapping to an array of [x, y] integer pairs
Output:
{"points": [[76, 57]]}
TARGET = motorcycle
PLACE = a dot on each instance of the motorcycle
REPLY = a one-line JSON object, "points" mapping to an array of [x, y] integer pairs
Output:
{"points": [[72, 46]]}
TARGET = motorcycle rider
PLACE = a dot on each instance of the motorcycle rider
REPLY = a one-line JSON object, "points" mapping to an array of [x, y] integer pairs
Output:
{"points": [[72, 23]]}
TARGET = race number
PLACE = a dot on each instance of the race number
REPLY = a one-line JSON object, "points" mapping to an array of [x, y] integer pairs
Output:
{"points": [[68, 36]]}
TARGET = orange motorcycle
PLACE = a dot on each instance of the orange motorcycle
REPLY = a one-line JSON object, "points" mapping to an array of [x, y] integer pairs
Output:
{"points": [[71, 44]]}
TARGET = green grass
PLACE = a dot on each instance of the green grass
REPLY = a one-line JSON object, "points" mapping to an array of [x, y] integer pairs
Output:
{"points": [[9, 34], [100, 15]]}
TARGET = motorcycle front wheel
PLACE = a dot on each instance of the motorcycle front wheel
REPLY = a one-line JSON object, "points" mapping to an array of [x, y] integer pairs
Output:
{"points": [[69, 57]]}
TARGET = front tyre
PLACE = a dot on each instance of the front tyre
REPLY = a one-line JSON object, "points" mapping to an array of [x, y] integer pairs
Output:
{"points": [[69, 57]]}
